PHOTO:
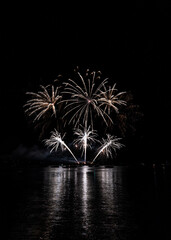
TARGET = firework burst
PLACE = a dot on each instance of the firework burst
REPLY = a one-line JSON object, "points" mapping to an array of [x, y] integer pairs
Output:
{"points": [[109, 99], [109, 144], [84, 139], [42, 102], [55, 141], [84, 98]]}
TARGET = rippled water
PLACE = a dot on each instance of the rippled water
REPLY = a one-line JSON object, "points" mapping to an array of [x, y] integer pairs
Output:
{"points": [[85, 203]]}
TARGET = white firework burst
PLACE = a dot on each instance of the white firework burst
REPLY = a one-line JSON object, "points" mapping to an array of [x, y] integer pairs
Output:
{"points": [[42, 102], [55, 141], [110, 99], [83, 98], [109, 144], [84, 139]]}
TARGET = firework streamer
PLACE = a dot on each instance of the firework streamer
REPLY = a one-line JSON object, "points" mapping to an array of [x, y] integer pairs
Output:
{"points": [[55, 141], [107, 145], [84, 139]]}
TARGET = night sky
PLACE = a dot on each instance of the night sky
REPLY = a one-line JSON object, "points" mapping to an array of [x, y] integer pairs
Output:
{"points": [[132, 48]]}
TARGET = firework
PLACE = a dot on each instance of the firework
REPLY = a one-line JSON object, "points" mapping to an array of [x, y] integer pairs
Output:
{"points": [[108, 99], [83, 101], [84, 139], [109, 144], [55, 141], [42, 102], [85, 98]]}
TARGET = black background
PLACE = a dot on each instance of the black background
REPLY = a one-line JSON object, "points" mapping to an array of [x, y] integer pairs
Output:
{"points": [[132, 47]]}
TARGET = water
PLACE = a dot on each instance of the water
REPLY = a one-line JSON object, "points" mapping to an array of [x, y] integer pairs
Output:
{"points": [[85, 203]]}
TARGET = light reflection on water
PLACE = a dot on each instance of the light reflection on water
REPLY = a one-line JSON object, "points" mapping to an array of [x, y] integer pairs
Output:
{"points": [[84, 203]]}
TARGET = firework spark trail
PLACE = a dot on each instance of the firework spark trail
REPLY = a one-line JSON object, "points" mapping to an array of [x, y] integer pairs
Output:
{"points": [[85, 145], [42, 102], [109, 99], [84, 99], [55, 141], [84, 139], [107, 145]]}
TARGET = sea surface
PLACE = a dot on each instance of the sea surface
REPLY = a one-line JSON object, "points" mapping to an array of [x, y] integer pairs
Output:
{"points": [[105, 202]]}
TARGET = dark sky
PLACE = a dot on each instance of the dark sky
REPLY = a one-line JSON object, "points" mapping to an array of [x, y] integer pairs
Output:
{"points": [[131, 47]]}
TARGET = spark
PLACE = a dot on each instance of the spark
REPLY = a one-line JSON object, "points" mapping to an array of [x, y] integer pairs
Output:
{"points": [[84, 139], [42, 102], [55, 141], [109, 144], [109, 99], [83, 98]]}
